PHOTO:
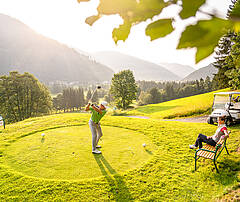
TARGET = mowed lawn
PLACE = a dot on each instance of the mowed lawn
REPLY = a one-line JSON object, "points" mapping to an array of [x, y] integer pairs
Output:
{"points": [[188, 106], [61, 167]]}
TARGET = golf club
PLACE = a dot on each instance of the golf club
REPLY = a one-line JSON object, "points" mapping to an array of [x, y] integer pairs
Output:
{"points": [[98, 87]]}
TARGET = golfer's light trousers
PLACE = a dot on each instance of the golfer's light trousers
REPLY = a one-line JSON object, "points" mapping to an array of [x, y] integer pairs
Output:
{"points": [[96, 133]]}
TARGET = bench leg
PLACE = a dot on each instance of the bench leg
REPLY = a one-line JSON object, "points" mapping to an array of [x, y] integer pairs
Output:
{"points": [[227, 150], [215, 166], [196, 162]]}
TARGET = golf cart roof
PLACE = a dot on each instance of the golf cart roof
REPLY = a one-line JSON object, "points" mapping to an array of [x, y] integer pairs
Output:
{"points": [[227, 93]]}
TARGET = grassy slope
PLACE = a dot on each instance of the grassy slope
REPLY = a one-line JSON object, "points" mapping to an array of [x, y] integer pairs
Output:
{"points": [[187, 106], [167, 175]]}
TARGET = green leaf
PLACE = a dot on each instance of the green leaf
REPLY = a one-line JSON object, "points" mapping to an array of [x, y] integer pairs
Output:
{"points": [[132, 10], [122, 32], [159, 28], [203, 52], [90, 20], [204, 35], [235, 13], [122, 7], [190, 7]]}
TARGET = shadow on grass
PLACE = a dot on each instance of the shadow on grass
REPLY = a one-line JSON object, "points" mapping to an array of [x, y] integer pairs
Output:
{"points": [[119, 114], [148, 151], [117, 186], [153, 109], [42, 140], [229, 170]]}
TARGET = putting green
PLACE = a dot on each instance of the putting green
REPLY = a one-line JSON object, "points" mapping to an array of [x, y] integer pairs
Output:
{"points": [[65, 153]]}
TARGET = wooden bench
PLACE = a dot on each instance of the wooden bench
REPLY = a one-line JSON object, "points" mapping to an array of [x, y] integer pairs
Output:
{"points": [[210, 152]]}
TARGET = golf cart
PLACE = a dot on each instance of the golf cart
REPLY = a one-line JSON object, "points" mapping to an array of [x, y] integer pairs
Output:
{"points": [[225, 104]]}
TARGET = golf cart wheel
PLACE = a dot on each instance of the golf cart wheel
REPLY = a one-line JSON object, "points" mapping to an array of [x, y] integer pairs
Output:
{"points": [[229, 122], [209, 120]]}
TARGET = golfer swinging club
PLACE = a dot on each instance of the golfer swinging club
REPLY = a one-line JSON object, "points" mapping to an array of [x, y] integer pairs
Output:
{"points": [[97, 114]]}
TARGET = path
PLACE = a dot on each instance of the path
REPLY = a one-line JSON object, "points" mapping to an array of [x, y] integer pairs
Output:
{"points": [[200, 119]]}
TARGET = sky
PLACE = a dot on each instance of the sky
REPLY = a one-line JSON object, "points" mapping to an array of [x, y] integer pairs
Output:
{"points": [[64, 21]]}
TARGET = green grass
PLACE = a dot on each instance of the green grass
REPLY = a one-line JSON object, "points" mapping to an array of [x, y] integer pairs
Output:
{"points": [[164, 171], [65, 152], [188, 106]]}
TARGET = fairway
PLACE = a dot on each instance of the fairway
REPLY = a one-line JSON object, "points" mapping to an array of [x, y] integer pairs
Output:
{"points": [[61, 167], [65, 153]]}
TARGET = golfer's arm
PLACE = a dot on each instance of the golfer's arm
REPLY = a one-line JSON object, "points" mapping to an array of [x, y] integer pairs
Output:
{"points": [[226, 134], [87, 107], [97, 110]]}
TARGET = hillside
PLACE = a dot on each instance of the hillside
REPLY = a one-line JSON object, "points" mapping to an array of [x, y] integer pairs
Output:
{"points": [[24, 50], [178, 69], [143, 70], [182, 107], [203, 72]]}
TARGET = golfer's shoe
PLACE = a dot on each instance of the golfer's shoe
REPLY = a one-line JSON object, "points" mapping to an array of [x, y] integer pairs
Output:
{"points": [[98, 146], [192, 146], [96, 151]]}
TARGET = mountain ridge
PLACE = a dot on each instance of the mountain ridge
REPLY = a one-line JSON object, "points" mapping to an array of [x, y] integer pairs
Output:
{"points": [[203, 72], [119, 61], [25, 50]]}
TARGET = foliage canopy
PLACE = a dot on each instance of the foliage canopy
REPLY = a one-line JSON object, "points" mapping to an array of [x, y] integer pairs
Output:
{"points": [[204, 35], [123, 88], [23, 96]]}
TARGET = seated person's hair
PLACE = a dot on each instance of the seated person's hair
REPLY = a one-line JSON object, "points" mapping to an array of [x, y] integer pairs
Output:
{"points": [[223, 118]]}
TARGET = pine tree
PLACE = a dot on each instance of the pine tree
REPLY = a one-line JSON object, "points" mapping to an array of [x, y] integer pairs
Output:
{"points": [[224, 61]]}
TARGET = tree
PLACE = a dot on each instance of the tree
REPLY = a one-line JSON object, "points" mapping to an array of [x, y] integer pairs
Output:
{"points": [[144, 98], [89, 95], [155, 96], [123, 88], [225, 59], [108, 97], [169, 92], [23, 96], [223, 52], [95, 97], [58, 102], [233, 62], [136, 11], [80, 98], [207, 84]]}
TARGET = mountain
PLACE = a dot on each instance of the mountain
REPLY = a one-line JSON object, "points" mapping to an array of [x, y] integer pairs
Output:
{"points": [[178, 69], [142, 69], [24, 50], [203, 72]]}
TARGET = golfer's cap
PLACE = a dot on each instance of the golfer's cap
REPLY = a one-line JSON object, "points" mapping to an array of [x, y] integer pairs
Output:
{"points": [[104, 103]]}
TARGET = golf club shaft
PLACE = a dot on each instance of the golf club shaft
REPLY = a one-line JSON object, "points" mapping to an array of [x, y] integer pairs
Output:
{"points": [[92, 95], [98, 87]]}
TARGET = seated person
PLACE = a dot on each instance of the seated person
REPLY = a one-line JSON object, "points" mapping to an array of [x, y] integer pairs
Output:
{"points": [[221, 132]]}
